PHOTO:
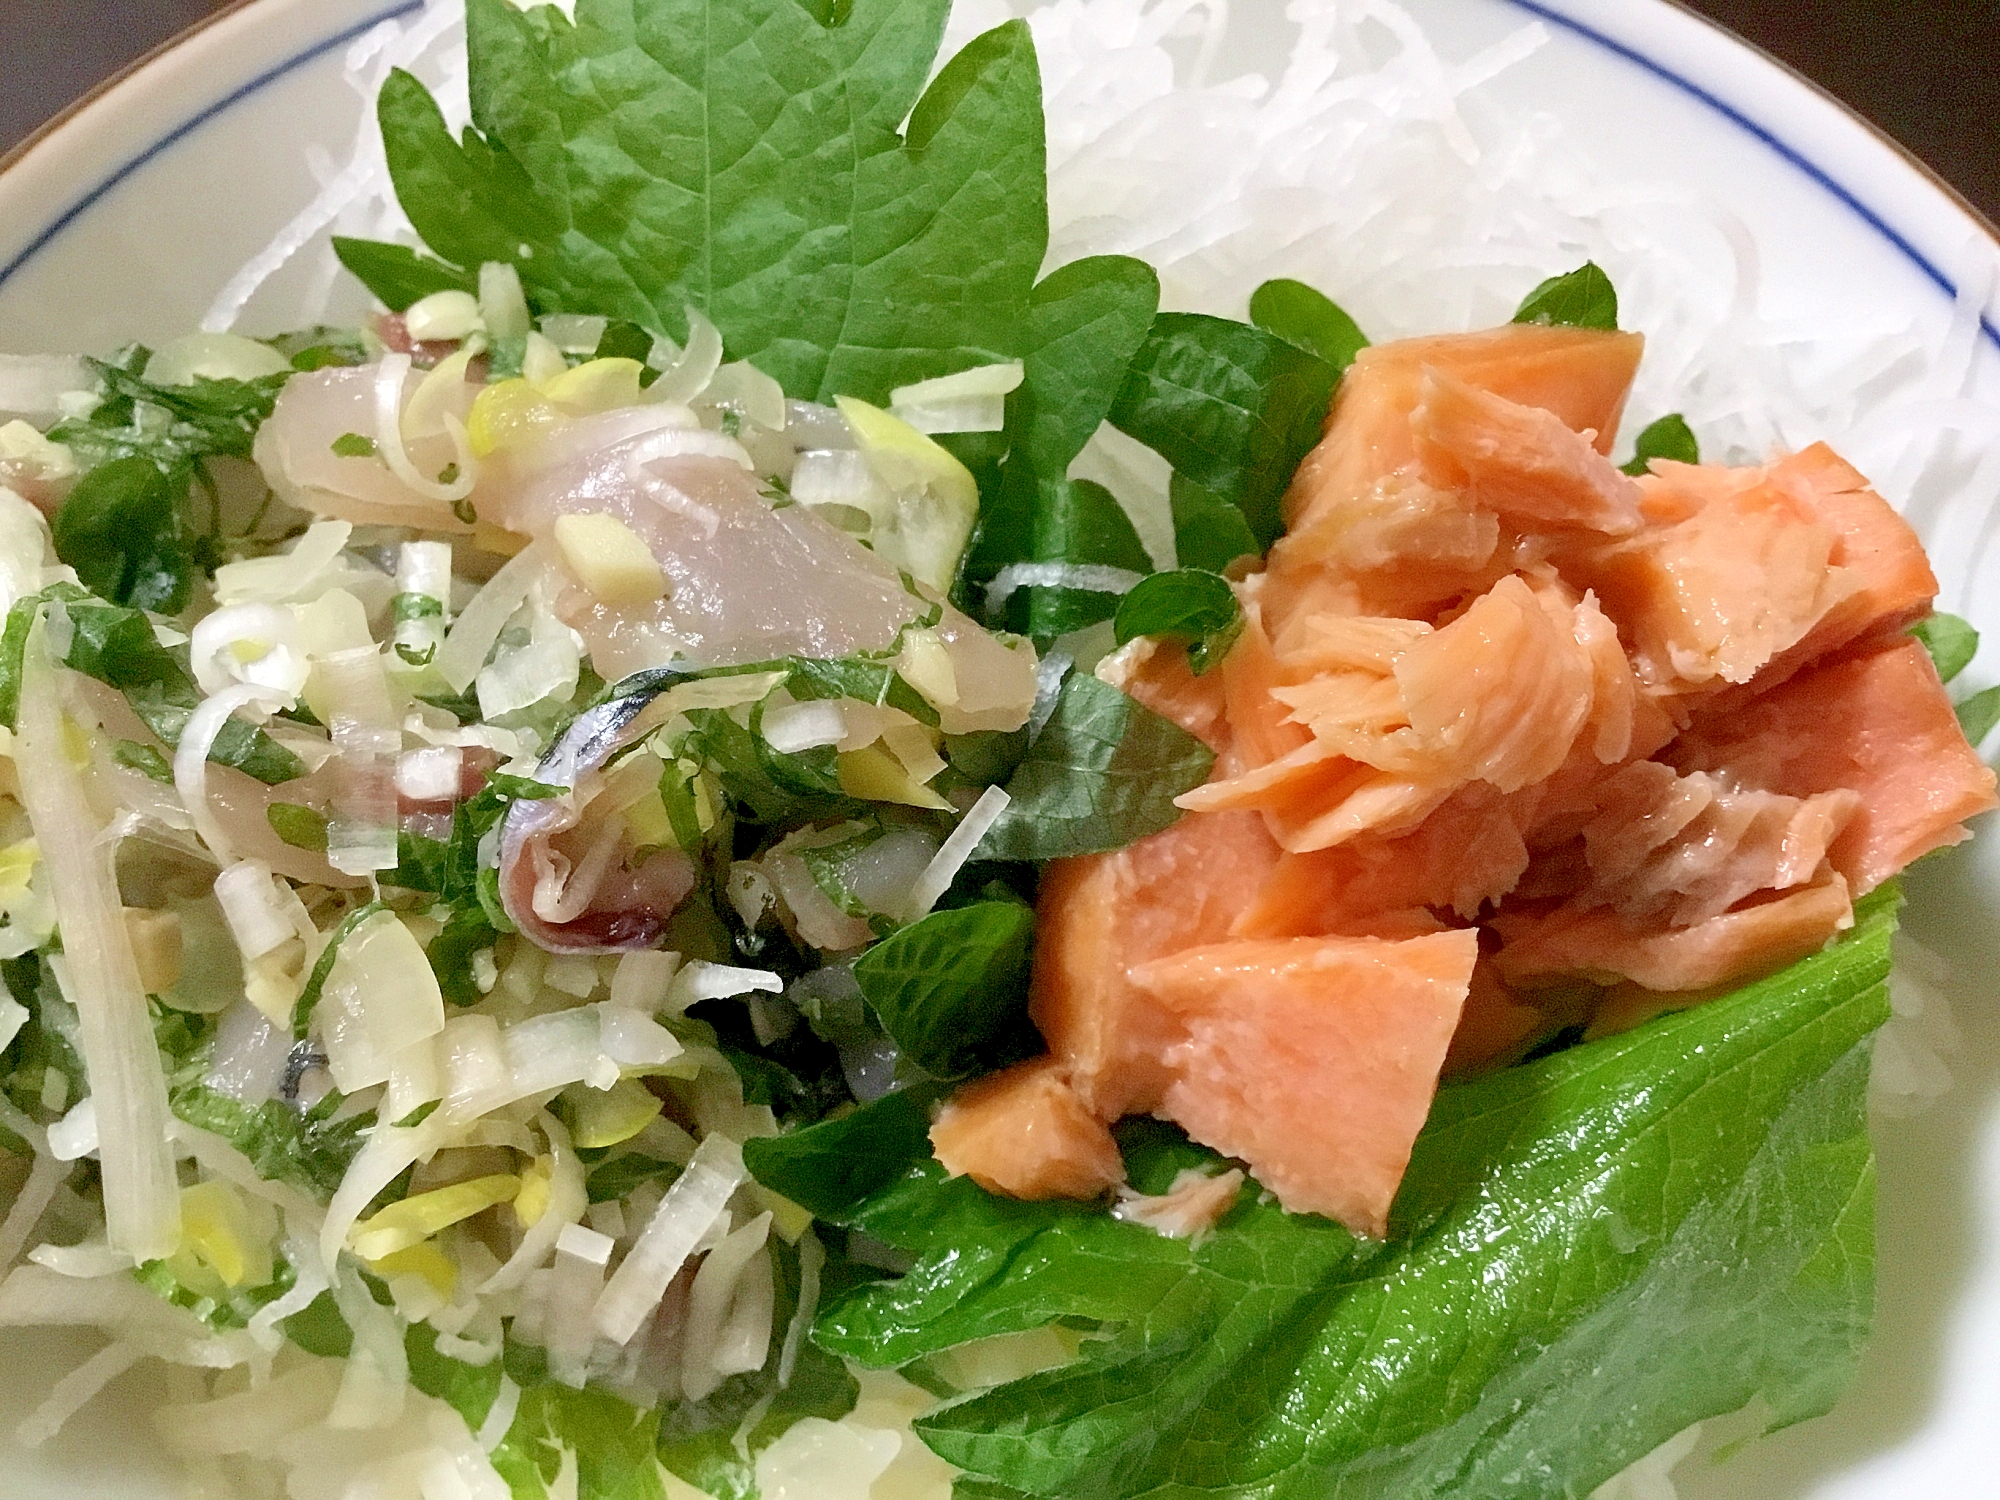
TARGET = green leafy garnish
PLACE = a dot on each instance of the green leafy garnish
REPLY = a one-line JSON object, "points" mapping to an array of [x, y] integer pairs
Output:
{"points": [[1583, 298], [121, 528], [1951, 641], [952, 989], [1209, 532], [307, 1148], [1675, 1221], [1073, 522], [1230, 406], [1190, 605], [301, 827], [743, 160], [398, 275], [1103, 772], [353, 445], [834, 1167], [1301, 315], [1669, 437], [116, 645], [1978, 714]]}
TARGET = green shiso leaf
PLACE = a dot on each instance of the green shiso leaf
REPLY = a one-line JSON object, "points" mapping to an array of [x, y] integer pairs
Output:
{"points": [[1952, 643], [1675, 1221], [1669, 437], [1230, 406], [1191, 605], [836, 1166], [1073, 522], [952, 989], [121, 529], [398, 275], [1103, 772], [745, 160], [1583, 298], [1978, 714], [1209, 532], [1301, 315]]}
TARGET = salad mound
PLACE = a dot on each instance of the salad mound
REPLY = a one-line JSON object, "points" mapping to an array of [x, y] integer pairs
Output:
{"points": [[749, 846]]}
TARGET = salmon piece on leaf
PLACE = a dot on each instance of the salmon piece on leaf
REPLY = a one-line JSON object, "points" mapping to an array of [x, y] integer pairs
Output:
{"points": [[1879, 725], [1730, 948], [1314, 1060], [1024, 1132], [1100, 914]]}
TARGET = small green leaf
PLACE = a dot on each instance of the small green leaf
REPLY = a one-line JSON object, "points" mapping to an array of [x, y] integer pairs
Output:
{"points": [[1232, 407], [1583, 298], [952, 989], [832, 1168], [1978, 714], [1669, 437], [1191, 605], [121, 529], [1952, 643], [398, 275], [1074, 522], [1103, 772], [306, 1148], [143, 759], [465, 933], [1300, 315], [353, 445], [301, 827], [1209, 532]]}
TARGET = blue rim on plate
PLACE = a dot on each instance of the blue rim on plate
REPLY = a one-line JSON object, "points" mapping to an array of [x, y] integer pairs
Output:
{"points": [[1819, 175]]}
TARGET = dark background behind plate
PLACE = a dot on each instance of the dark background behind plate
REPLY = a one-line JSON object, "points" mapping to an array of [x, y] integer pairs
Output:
{"points": [[1927, 71]]}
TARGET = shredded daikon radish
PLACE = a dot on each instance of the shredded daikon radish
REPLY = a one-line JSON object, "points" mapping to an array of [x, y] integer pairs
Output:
{"points": [[74, 1136], [86, 1261], [1091, 578], [310, 1280], [35, 1297], [956, 850], [284, 576], [141, 1195], [701, 980], [73, 1390], [191, 760], [698, 1197], [479, 624]]}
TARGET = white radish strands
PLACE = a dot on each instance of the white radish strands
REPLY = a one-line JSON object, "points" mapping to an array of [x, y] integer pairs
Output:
{"points": [[141, 1195], [479, 625], [725, 1275], [567, 1202], [956, 850]]}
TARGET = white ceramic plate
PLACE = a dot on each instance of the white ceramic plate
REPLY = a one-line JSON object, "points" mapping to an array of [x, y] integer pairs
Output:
{"points": [[126, 221]]}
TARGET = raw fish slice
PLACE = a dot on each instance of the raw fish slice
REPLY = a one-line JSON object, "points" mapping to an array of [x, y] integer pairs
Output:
{"points": [[1024, 1132], [1314, 1060], [1879, 725], [1520, 462], [1727, 949]]}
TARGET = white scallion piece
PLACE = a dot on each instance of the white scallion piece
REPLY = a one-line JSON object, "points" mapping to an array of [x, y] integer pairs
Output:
{"points": [[479, 624], [74, 1136], [284, 576], [390, 378], [503, 305], [701, 980], [367, 736], [698, 1197], [973, 400], [793, 727], [191, 761], [955, 851], [568, 1199], [693, 367], [141, 1194], [641, 979], [575, 1283], [725, 1278]]}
